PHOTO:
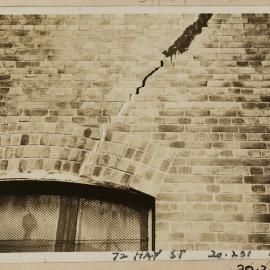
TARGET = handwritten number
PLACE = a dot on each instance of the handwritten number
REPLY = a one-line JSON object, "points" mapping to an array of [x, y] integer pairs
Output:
{"points": [[212, 255], [249, 267], [240, 267], [119, 256], [242, 254], [234, 254], [116, 255], [215, 255]]}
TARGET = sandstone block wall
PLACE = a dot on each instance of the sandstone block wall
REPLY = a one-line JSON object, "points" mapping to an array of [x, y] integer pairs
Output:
{"points": [[196, 136]]}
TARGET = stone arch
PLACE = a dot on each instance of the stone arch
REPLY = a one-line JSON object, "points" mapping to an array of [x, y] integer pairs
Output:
{"points": [[68, 152]]}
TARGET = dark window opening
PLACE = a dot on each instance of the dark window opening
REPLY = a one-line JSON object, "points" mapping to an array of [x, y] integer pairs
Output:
{"points": [[53, 216]]}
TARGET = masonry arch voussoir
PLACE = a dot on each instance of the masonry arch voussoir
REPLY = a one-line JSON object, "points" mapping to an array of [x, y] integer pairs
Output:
{"points": [[68, 152]]}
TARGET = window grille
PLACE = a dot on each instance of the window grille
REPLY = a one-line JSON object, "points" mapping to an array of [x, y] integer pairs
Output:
{"points": [[51, 216]]}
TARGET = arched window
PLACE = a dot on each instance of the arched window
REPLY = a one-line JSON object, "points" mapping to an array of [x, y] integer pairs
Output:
{"points": [[37, 216]]}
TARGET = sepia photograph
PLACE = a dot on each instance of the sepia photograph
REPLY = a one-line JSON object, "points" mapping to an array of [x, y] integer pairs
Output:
{"points": [[134, 132]]}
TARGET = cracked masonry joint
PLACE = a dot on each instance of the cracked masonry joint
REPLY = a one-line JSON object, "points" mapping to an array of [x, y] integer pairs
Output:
{"points": [[147, 76], [181, 44]]}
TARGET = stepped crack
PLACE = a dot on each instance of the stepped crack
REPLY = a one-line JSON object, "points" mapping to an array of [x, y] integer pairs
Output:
{"points": [[181, 44], [147, 76]]}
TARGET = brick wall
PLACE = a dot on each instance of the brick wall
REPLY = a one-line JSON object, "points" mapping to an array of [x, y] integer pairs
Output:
{"points": [[106, 3], [195, 137]]}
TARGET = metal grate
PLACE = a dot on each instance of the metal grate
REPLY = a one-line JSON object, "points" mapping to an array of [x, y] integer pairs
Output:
{"points": [[28, 223], [39, 223], [109, 226]]}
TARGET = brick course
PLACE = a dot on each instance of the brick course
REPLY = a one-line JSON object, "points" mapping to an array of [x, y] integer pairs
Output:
{"points": [[196, 136]]}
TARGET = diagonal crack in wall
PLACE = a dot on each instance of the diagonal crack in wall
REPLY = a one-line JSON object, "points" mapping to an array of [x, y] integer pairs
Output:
{"points": [[109, 141], [147, 76], [181, 44]]}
